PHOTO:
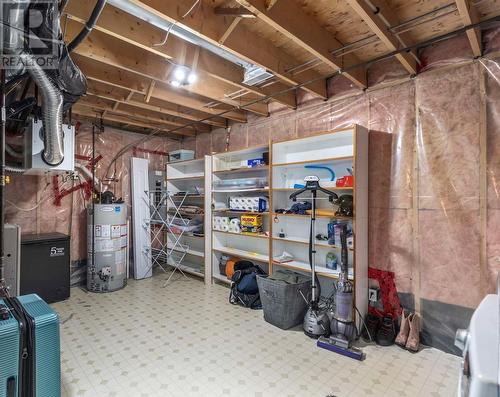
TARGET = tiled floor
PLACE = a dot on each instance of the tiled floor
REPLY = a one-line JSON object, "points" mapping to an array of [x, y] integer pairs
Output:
{"points": [[187, 340]]}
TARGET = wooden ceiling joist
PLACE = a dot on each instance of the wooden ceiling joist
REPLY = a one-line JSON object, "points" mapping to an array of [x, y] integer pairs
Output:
{"points": [[270, 3], [114, 52], [104, 92], [85, 109], [290, 20], [172, 99], [234, 12], [150, 90], [99, 90], [379, 27], [469, 16], [142, 115], [141, 34], [132, 30], [241, 42]]}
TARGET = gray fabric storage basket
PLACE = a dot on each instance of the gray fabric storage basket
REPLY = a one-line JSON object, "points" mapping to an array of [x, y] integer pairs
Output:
{"points": [[282, 301]]}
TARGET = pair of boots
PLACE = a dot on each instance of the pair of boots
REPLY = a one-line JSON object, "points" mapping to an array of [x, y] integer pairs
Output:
{"points": [[379, 330], [409, 333]]}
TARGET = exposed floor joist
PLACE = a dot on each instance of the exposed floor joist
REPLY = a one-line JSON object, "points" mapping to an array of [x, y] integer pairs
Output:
{"points": [[380, 28], [110, 75], [106, 92], [93, 112], [141, 115], [469, 16], [115, 52], [289, 19], [208, 25], [128, 28], [234, 12], [139, 33], [270, 3], [102, 90]]}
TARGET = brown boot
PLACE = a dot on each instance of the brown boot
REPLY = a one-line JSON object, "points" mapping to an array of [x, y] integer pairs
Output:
{"points": [[413, 342], [404, 330]]}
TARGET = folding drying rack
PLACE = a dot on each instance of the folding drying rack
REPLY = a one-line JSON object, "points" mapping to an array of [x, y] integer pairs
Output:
{"points": [[165, 215]]}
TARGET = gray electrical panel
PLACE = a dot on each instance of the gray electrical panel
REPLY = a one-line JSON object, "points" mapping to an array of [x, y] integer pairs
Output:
{"points": [[12, 246]]}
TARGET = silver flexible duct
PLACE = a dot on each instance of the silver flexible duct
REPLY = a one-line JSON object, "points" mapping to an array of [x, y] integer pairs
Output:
{"points": [[11, 168], [52, 112], [52, 106], [14, 36]]}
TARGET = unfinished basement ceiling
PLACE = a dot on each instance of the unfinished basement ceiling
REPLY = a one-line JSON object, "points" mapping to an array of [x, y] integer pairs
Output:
{"points": [[129, 68]]}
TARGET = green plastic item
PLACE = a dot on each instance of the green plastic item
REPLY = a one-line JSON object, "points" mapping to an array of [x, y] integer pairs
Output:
{"points": [[331, 261]]}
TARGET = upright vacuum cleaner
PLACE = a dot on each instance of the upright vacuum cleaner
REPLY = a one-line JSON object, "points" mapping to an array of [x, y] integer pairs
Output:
{"points": [[316, 320], [343, 328]]}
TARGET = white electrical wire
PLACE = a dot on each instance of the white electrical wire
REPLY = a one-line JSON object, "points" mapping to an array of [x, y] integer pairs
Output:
{"points": [[166, 37], [40, 202], [175, 23]]}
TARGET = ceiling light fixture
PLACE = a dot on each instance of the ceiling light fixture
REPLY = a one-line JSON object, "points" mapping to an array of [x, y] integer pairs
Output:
{"points": [[180, 74], [183, 76], [192, 78]]}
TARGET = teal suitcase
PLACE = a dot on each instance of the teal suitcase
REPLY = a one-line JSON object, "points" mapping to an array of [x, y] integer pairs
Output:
{"points": [[30, 358]]}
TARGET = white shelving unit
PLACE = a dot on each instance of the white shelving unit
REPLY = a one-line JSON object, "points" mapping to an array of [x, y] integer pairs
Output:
{"points": [[194, 178], [227, 167], [293, 160]]}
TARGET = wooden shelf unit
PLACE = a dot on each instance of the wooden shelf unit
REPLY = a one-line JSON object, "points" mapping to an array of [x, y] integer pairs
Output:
{"points": [[341, 150], [338, 150], [254, 247], [193, 176]]}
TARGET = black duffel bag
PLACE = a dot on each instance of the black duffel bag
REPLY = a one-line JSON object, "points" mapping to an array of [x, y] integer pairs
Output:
{"points": [[244, 288]]}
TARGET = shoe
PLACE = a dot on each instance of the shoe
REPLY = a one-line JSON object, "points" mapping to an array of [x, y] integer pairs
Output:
{"points": [[386, 333], [404, 331], [413, 342], [372, 323]]}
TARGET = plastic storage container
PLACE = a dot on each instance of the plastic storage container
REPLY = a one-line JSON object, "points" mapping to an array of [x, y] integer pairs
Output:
{"points": [[241, 183], [282, 301], [181, 155]]}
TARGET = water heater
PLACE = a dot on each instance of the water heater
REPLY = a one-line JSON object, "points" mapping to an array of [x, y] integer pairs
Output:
{"points": [[107, 267]]}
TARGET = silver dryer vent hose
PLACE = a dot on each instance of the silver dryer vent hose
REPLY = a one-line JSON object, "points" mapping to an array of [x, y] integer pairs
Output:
{"points": [[52, 112]]}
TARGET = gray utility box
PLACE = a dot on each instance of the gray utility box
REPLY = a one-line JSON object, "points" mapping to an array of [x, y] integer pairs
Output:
{"points": [[12, 245]]}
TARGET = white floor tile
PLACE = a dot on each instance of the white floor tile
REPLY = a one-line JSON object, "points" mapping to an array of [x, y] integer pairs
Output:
{"points": [[186, 340]]}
